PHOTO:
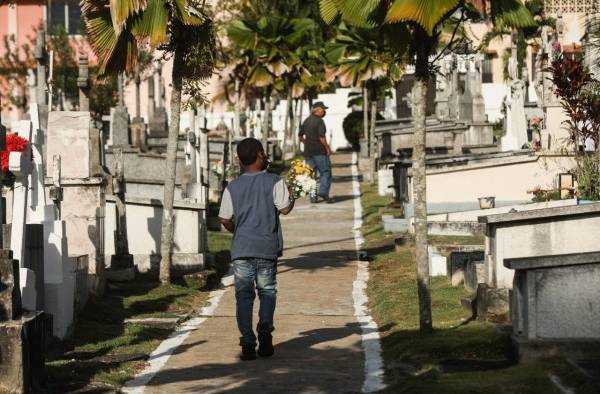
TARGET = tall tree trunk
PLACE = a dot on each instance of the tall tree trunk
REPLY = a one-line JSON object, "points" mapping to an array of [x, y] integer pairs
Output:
{"points": [[138, 81], [266, 123], [295, 126], [166, 238], [300, 117], [289, 122], [365, 112], [420, 190], [236, 110], [372, 144]]}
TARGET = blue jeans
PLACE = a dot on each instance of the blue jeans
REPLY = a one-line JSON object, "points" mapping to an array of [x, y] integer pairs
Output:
{"points": [[322, 165], [250, 274]]}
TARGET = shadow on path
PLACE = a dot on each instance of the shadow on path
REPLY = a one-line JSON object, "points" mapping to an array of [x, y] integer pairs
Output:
{"points": [[299, 365]]}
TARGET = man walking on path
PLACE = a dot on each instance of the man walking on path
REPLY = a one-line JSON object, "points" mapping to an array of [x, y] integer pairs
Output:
{"points": [[250, 210], [316, 149]]}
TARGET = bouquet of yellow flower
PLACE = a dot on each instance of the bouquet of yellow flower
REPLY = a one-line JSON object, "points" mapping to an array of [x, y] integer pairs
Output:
{"points": [[301, 180]]}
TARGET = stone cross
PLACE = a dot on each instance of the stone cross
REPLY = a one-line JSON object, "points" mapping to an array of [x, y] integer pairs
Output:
{"points": [[37, 203], [122, 259], [138, 126], [120, 118], [158, 123], [41, 57], [119, 192], [55, 191], [10, 292], [121, 90], [475, 82], [83, 82], [204, 160], [20, 165], [161, 87], [151, 102]]}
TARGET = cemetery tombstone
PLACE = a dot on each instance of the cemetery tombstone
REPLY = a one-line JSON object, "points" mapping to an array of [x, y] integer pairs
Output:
{"points": [[138, 126], [83, 83], [21, 333], [158, 127], [554, 305], [72, 137], [122, 261], [41, 57], [442, 111], [515, 121], [119, 119]]}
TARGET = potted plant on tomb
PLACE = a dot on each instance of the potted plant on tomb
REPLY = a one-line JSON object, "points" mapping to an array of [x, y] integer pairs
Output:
{"points": [[487, 202]]}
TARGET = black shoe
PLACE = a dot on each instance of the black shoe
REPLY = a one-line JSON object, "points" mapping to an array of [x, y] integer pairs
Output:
{"points": [[248, 353], [265, 345]]}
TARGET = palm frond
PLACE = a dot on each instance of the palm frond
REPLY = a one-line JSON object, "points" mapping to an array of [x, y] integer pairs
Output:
{"points": [[425, 13], [241, 34], [511, 13], [115, 52], [187, 14], [359, 13], [152, 23], [260, 76], [329, 11], [121, 10]]}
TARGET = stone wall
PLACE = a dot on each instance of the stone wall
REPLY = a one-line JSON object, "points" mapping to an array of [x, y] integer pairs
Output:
{"points": [[506, 178]]}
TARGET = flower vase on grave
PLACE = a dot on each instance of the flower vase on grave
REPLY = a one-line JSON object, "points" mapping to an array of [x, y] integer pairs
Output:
{"points": [[14, 143]]}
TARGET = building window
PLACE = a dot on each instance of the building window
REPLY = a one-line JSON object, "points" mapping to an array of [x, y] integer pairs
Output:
{"points": [[65, 14], [487, 72], [576, 6]]}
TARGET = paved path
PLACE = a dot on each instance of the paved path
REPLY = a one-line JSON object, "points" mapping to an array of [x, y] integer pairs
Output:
{"points": [[317, 338]]}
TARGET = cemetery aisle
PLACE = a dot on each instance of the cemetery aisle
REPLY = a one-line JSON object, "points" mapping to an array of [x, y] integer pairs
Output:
{"points": [[317, 338]]}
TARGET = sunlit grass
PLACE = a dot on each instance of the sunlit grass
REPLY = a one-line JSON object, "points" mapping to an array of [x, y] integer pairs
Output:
{"points": [[98, 352], [413, 359]]}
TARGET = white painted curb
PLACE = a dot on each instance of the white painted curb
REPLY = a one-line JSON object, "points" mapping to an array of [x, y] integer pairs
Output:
{"points": [[374, 371], [164, 351]]}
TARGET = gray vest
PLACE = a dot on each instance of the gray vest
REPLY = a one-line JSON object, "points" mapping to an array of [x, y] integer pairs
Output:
{"points": [[257, 227]]}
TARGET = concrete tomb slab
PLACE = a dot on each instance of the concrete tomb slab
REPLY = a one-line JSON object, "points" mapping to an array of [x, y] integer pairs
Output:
{"points": [[556, 304]]}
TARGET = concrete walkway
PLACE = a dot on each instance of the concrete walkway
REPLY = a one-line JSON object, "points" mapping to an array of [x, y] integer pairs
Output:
{"points": [[317, 337]]}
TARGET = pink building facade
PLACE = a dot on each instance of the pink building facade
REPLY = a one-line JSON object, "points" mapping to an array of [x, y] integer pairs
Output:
{"points": [[19, 22]]}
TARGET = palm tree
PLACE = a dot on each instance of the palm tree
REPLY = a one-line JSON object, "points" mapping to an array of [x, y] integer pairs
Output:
{"points": [[416, 26], [181, 28], [364, 58], [269, 44]]}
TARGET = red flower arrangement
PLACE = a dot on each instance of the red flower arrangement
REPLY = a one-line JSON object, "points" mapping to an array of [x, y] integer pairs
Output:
{"points": [[14, 143]]}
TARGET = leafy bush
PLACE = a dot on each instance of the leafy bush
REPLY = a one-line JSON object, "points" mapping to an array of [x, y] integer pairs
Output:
{"points": [[588, 177], [580, 98], [353, 127]]}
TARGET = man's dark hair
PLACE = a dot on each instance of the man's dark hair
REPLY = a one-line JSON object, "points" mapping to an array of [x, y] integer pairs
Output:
{"points": [[248, 150]]}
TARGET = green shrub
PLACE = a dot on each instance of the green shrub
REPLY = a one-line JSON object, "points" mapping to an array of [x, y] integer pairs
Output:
{"points": [[353, 127]]}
